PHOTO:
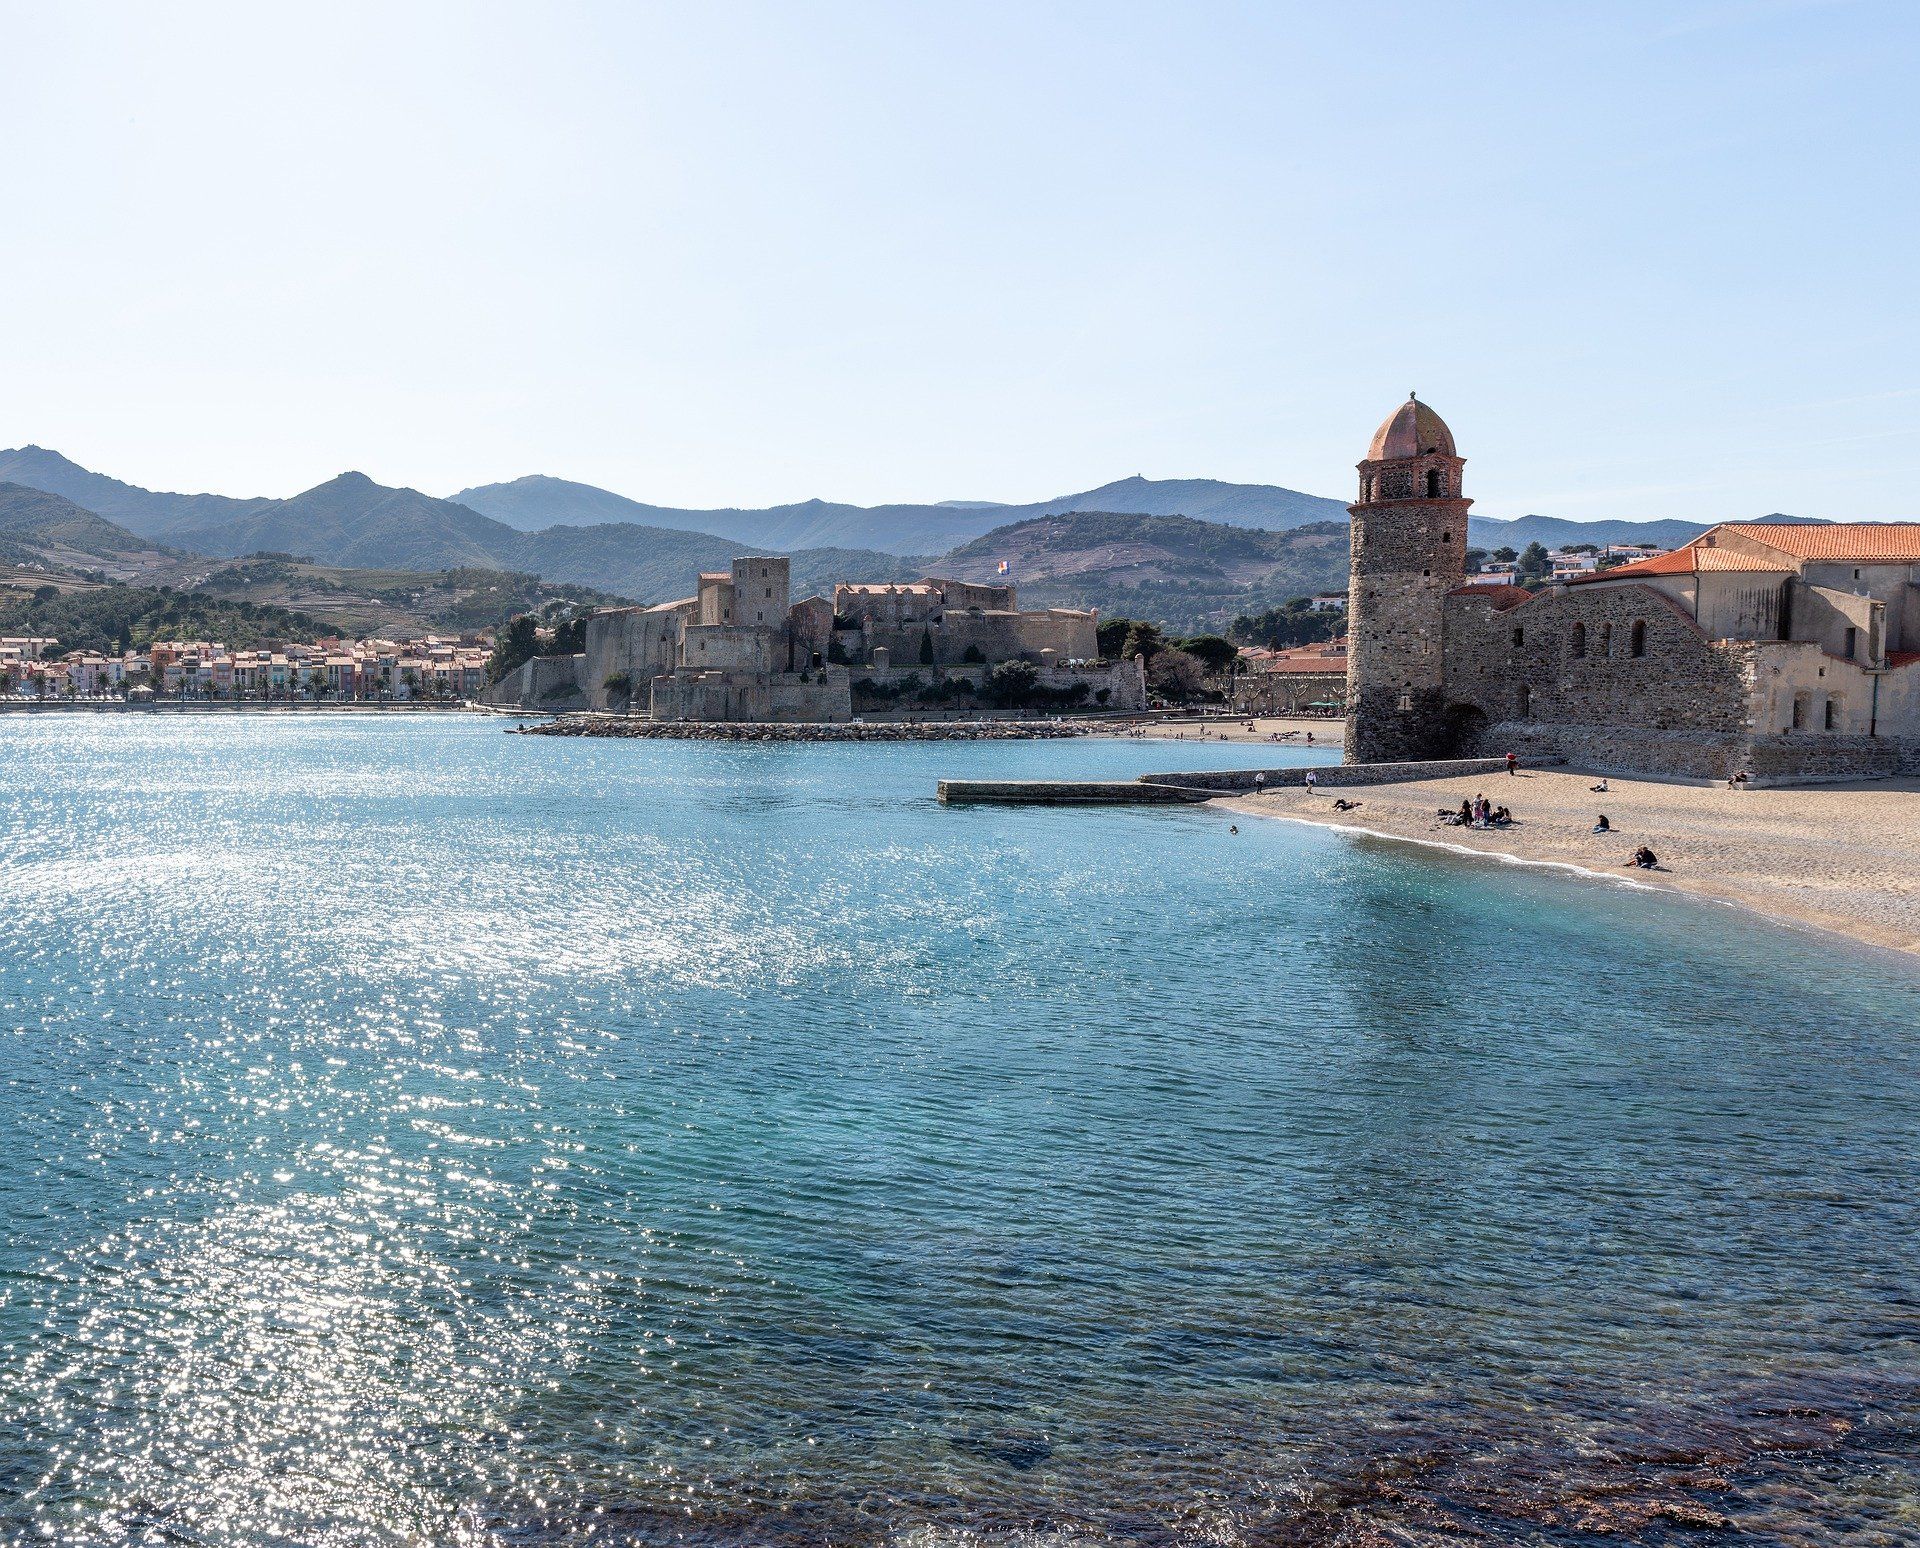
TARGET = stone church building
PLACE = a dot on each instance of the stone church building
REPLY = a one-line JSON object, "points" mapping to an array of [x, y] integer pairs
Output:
{"points": [[1785, 650]]}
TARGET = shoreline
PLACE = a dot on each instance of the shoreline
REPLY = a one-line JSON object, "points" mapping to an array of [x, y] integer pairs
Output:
{"points": [[1798, 856]]}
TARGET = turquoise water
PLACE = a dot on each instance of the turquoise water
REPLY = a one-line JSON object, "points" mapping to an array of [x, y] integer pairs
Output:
{"points": [[419, 1134]]}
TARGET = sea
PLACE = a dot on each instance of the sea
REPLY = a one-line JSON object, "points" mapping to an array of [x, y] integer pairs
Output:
{"points": [[412, 1133]]}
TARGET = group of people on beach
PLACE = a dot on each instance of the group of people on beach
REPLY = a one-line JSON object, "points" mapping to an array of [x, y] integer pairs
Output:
{"points": [[1477, 813]]}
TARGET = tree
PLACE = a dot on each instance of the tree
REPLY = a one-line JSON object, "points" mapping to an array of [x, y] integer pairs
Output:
{"points": [[1143, 639], [1175, 675], [973, 656], [1533, 560], [1212, 652], [1505, 555], [926, 647], [1112, 634], [619, 686], [513, 647], [1012, 682]]}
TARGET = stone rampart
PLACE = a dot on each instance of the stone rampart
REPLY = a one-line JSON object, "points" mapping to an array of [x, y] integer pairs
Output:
{"points": [[551, 683]]}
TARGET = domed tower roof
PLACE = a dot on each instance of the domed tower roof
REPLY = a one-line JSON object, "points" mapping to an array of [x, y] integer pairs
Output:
{"points": [[1410, 430]]}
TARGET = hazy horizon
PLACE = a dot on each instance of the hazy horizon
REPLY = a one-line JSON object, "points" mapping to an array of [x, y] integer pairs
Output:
{"points": [[1639, 259]]}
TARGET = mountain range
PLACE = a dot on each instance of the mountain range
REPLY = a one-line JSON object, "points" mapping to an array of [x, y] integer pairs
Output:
{"points": [[1189, 553], [535, 503]]}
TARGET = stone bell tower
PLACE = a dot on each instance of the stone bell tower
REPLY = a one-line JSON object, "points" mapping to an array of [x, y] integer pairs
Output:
{"points": [[1409, 550]]}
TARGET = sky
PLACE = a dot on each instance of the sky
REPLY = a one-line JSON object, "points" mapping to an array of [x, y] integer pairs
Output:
{"points": [[1648, 260]]}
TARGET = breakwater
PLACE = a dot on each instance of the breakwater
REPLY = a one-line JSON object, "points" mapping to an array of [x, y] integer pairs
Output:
{"points": [[817, 731], [1160, 789]]}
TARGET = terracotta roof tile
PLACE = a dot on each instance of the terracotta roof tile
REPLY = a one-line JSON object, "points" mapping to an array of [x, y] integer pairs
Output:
{"points": [[1886, 541]]}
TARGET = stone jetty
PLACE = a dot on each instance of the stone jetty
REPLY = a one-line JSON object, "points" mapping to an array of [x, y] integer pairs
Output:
{"points": [[823, 731]]}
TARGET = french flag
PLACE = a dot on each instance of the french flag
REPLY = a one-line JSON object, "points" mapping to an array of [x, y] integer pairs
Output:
{"points": [[1005, 567]]}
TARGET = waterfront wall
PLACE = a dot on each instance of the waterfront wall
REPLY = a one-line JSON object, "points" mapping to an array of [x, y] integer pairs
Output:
{"points": [[1125, 682], [552, 683], [1240, 781], [775, 697]]}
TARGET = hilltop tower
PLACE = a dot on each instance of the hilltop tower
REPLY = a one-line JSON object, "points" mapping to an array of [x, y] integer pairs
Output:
{"points": [[1409, 539]]}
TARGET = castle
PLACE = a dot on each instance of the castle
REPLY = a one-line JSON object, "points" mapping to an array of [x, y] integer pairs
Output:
{"points": [[740, 649], [1786, 651]]}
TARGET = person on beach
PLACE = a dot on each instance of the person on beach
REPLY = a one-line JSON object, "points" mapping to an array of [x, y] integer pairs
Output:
{"points": [[1259, 781], [1501, 817], [1309, 739], [1601, 788], [1513, 763], [1603, 826], [1645, 858], [1344, 805], [1311, 781], [1466, 814]]}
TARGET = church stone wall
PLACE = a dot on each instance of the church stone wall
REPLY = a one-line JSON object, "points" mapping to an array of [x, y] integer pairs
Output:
{"points": [[1524, 680]]}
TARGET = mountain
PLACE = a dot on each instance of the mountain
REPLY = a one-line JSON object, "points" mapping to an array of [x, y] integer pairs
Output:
{"points": [[538, 502], [1553, 532], [352, 521], [1192, 576], [144, 512], [38, 528]]}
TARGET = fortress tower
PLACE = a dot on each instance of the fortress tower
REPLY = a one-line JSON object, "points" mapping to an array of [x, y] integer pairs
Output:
{"points": [[1409, 550]]}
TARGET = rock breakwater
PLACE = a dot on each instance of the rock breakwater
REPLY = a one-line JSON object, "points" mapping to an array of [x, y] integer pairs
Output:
{"points": [[745, 731]]}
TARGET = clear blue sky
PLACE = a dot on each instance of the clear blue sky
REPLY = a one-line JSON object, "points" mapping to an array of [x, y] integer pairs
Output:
{"points": [[1648, 259]]}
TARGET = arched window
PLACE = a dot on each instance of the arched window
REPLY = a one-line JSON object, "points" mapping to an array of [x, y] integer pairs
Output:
{"points": [[1606, 639], [1637, 641], [1579, 639], [1436, 483], [1526, 702]]}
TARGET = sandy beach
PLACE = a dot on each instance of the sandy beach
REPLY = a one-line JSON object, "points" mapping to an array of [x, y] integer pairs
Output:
{"points": [[1841, 857], [1329, 734]]}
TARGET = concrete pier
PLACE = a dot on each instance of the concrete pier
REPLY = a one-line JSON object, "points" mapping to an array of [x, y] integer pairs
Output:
{"points": [[1067, 792]]}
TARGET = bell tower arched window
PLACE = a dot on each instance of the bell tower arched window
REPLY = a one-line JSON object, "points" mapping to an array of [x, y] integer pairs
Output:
{"points": [[1436, 483]]}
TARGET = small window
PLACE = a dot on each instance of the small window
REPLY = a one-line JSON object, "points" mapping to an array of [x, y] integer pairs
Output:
{"points": [[1436, 484], [1519, 638], [1406, 701], [1446, 537], [1526, 702], [1637, 641], [1852, 639], [1799, 712], [1579, 639], [1833, 713]]}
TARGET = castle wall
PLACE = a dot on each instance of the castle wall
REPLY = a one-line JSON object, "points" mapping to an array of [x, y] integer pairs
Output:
{"points": [[1124, 682], [550, 683], [733, 648], [637, 642], [1072, 636], [809, 698]]}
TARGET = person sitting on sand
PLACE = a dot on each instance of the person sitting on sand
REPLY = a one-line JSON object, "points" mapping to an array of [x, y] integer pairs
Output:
{"points": [[1601, 788], [1603, 826], [1466, 813], [1501, 817], [1344, 805], [1645, 858], [1736, 779]]}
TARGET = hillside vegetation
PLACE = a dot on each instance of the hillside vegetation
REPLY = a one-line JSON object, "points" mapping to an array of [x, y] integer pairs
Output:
{"points": [[1192, 576], [116, 618]]}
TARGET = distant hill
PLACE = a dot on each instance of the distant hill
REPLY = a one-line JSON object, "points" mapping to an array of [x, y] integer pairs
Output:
{"points": [[38, 528], [1192, 576], [378, 603], [352, 521], [538, 502], [144, 512]]}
